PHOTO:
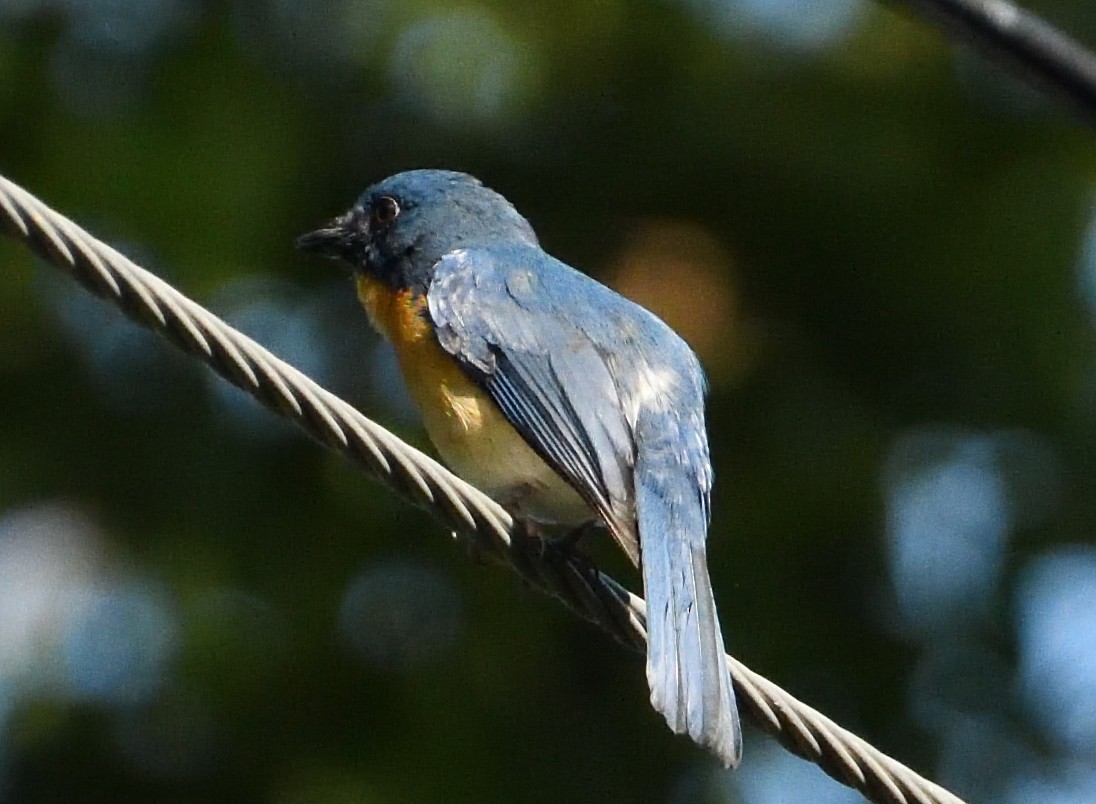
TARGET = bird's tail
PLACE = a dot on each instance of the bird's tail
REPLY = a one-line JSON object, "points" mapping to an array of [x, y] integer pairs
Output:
{"points": [[686, 662]]}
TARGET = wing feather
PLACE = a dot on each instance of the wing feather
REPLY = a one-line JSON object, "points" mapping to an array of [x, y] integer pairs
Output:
{"points": [[544, 373]]}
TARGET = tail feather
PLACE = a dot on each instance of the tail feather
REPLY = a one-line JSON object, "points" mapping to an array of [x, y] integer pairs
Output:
{"points": [[686, 661]]}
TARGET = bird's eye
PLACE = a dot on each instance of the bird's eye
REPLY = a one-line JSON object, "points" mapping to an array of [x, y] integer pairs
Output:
{"points": [[385, 210]]}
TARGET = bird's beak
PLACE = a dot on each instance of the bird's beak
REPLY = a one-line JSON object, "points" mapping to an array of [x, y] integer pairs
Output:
{"points": [[336, 240]]}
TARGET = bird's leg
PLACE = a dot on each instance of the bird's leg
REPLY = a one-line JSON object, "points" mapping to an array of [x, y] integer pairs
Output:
{"points": [[569, 542], [539, 534], [572, 539]]}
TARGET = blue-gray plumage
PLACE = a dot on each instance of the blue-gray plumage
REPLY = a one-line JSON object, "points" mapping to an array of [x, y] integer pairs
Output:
{"points": [[560, 398]]}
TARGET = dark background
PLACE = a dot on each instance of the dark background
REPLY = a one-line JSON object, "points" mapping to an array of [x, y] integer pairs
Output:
{"points": [[883, 250]]}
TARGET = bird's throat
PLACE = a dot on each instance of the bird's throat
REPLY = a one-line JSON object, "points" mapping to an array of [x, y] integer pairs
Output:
{"points": [[451, 404], [398, 315]]}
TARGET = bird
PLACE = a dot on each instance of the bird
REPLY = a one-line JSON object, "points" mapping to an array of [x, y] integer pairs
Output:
{"points": [[565, 402]]}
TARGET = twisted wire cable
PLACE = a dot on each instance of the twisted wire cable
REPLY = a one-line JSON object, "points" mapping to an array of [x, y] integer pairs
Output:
{"points": [[1023, 42], [476, 520]]}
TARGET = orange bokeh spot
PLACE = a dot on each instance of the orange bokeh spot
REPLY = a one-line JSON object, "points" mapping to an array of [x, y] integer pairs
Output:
{"points": [[683, 274]]}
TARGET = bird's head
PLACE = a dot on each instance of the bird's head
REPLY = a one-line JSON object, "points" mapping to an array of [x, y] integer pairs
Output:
{"points": [[400, 227]]}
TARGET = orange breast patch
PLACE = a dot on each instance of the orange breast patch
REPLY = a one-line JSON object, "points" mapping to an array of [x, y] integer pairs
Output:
{"points": [[466, 426], [452, 406]]}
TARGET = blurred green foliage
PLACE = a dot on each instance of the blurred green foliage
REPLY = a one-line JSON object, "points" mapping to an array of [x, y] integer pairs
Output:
{"points": [[902, 232]]}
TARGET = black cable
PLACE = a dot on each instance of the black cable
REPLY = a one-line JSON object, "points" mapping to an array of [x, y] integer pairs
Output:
{"points": [[1022, 42]]}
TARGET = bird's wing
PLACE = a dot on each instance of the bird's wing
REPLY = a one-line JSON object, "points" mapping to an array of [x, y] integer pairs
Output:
{"points": [[513, 318], [613, 400]]}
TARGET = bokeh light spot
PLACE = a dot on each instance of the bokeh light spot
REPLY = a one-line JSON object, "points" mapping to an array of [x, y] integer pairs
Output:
{"points": [[947, 523], [120, 650], [773, 776], [128, 26], [397, 615], [462, 68], [683, 274], [1086, 267], [1067, 783], [1056, 612], [797, 25], [49, 557]]}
